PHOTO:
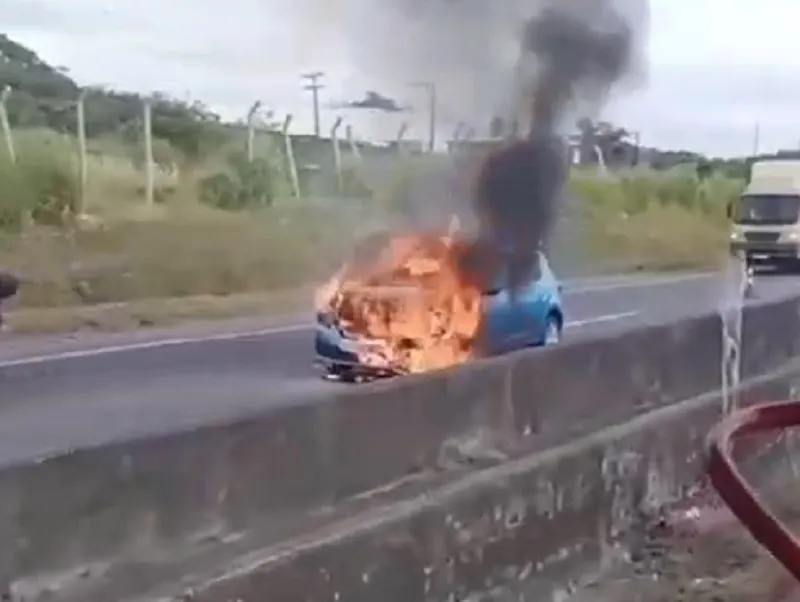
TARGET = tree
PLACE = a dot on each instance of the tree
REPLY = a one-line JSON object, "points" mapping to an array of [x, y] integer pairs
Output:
{"points": [[44, 96], [613, 142]]}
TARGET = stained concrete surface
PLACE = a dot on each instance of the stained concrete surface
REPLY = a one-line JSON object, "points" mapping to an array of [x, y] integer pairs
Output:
{"points": [[528, 530], [696, 550], [702, 554], [531, 530]]}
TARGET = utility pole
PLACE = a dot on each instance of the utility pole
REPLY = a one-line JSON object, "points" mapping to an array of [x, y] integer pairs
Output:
{"points": [[756, 139], [430, 89], [315, 88], [637, 148]]}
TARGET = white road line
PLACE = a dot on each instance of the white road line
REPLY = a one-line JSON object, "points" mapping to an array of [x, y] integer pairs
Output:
{"points": [[155, 344], [275, 330], [97, 351], [603, 318], [612, 286]]}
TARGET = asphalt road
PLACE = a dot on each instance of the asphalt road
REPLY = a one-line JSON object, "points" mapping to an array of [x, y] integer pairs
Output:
{"points": [[62, 393]]}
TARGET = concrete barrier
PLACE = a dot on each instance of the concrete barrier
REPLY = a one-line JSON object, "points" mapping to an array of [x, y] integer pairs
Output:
{"points": [[535, 528], [274, 473]]}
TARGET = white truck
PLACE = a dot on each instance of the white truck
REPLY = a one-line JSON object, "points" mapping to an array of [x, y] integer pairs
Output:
{"points": [[766, 217]]}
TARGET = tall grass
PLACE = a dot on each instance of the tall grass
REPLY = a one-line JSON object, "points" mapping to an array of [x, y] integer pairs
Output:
{"points": [[655, 220], [179, 247], [637, 219], [41, 185], [181, 251], [184, 247]]}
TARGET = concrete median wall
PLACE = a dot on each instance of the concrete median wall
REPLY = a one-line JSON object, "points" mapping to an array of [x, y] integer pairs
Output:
{"points": [[180, 494], [532, 529]]}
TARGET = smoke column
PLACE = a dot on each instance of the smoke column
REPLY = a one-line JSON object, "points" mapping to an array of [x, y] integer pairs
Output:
{"points": [[572, 51], [541, 60]]}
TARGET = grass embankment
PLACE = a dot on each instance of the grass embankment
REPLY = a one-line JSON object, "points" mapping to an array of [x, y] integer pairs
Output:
{"points": [[247, 249], [124, 264], [656, 220]]}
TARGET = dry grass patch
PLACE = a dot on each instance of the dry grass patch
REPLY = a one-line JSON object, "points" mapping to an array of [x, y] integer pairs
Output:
{"points": [[149, 313], [175, 253], [660, 238], [656, 221]]}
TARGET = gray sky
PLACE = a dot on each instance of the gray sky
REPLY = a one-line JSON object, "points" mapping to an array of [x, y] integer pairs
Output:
{"points": [[716, 67]]}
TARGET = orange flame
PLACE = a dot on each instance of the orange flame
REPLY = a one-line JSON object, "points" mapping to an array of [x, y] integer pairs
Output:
{"points": [[409, 307]]}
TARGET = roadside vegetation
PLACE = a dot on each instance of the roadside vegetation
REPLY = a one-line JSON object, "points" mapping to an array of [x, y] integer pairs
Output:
{"points": [[225, 234], [650, 220], [216, 234]]}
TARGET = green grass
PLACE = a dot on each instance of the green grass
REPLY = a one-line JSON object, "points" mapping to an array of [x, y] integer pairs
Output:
{"points": [[126, 252], [177, 252], [655, 221]]}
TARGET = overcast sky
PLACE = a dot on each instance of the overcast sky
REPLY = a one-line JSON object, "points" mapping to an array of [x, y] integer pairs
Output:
{"points": [[715, 67]]}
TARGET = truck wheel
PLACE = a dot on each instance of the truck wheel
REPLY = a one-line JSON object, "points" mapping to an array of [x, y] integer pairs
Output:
{"points": [[793, 266]]}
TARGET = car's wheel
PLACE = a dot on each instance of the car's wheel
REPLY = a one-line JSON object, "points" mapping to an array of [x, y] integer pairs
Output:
{"points": [[552, 330]]}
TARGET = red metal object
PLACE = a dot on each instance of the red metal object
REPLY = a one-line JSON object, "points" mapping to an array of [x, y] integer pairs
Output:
{"points": [[734, 489]]}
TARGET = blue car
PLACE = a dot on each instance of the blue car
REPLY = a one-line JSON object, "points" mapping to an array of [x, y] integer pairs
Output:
{"points": [[535, 319]]}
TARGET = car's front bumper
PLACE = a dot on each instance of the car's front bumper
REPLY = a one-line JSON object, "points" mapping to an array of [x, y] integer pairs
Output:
{"points": [[331, 346], [334, 351], [766, 250]]}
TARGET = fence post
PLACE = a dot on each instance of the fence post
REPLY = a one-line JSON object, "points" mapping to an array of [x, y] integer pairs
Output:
{"points": [[737, 282], [351, 142], [26, 214], [80, 109], [12, 153], [287, 143], [401, 132], [251, 130], [337, 155], [150, 177], [456, 138], [601, 160]]}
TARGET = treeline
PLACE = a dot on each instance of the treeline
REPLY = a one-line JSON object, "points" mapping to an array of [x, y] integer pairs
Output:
{"points": [[44, 96]]}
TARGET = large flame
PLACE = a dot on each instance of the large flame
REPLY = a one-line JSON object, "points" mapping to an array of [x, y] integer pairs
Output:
{"points": [[410, 307]]}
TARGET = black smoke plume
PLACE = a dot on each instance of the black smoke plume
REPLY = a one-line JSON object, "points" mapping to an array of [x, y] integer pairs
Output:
{"points": [[538, 63], [578, 50]]}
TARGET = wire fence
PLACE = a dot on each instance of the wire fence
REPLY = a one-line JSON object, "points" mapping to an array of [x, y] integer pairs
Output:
{"points": [[257, 162], [142, 160]]}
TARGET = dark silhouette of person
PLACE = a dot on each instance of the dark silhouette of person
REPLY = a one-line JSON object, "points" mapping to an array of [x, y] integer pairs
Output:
{"points": [[9, 286]]}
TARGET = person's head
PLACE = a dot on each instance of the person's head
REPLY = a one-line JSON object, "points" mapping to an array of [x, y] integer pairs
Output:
{"points": [[9, 285]]}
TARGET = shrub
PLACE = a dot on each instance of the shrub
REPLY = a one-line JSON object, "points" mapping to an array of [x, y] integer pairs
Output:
{"points": [[354, 185], [42, 185], [656, 220], [636, 192], [243, 185]]}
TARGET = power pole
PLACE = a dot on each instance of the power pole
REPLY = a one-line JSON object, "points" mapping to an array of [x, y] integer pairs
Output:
{"points": [[315, 88], [756, 139], [430, 89], [637, 148], [431, 116]]}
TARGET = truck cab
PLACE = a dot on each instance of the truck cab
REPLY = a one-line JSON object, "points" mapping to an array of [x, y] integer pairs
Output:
{"points": [[766, 217]]}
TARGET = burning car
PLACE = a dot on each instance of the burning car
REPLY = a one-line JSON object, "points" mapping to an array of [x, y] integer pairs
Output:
{"points": [[410, 304]]}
